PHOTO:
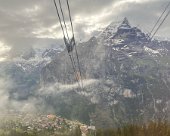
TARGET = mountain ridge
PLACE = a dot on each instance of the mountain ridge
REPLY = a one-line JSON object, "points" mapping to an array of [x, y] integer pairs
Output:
{"points": [[126, 78]]}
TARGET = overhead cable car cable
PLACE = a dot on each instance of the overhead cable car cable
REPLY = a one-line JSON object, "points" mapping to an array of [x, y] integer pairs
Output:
{"points": [[59, 18], [159, 19], [65, 40], [64, 19], [74, 42], [160, 25]]}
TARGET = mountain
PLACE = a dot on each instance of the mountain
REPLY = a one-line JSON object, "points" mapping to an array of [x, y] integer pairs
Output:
{"points": [[126, 78]]}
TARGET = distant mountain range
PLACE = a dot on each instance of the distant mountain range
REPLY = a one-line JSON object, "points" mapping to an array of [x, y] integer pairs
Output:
{"points": [[126, 78]]}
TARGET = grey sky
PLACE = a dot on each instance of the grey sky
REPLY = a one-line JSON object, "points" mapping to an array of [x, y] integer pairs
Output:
{"points": [[34, 23]]}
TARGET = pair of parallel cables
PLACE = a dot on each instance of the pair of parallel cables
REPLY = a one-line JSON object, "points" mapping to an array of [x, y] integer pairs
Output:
{"points": [[70, 43], [160, 21]]}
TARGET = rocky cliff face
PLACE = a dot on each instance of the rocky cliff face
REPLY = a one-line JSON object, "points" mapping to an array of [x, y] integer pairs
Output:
{"points": [[132, 75]]}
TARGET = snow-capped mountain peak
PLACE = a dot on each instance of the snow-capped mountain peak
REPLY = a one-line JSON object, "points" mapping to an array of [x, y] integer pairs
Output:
{"points": [[113, 28], [109, 31], [121, 33], [125, 24]]}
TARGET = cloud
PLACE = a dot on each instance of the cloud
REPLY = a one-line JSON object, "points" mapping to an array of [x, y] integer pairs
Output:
{"points": [[7, 104], [10, 105], [34, 23], [35, 103], [5, 86], [3, 51], [59, 88]]}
